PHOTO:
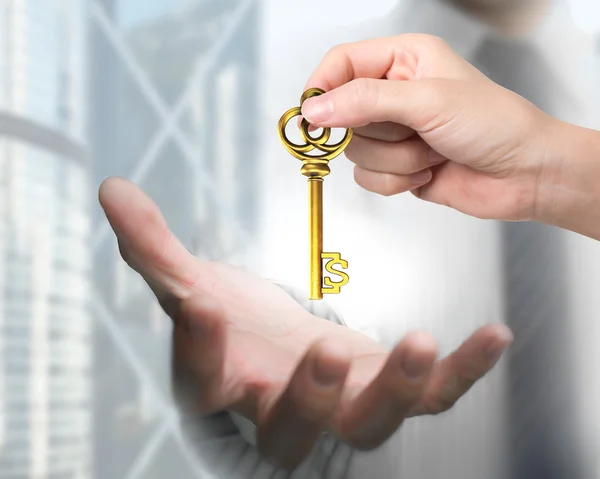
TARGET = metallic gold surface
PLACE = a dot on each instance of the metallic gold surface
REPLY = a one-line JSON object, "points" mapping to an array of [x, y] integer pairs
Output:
{"points": [[315, 168], [300, 151], [332, 287], [315, 234]]}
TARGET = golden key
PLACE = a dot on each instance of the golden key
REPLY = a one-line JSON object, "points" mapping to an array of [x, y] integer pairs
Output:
{"points": [[315, 168]]}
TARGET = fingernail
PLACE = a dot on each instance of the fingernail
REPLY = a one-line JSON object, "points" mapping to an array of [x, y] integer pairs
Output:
{"points": [[317, 109], [421, 177], [414, 366], [495, 350], [326, 373], [435, 158]]}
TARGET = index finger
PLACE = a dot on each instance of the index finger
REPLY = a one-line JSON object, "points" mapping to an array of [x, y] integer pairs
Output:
{"points": [[394, 58]]}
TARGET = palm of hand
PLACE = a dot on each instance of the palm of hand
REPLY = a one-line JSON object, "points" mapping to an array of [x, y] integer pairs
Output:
{"points": [[243, 344], [268, 333]]}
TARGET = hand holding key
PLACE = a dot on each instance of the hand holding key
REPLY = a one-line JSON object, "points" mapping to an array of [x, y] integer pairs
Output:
{"points": [[315, 168], [428, 122]]}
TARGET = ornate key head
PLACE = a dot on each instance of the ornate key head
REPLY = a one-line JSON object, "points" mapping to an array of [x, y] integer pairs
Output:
{"points": [[314, 166]]}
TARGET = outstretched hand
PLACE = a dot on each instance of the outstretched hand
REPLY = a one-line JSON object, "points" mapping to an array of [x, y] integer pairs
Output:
{"points": [[242, 344]]}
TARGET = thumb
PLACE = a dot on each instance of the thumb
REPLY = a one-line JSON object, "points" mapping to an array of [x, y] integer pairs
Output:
{"points": [[421, 104]]}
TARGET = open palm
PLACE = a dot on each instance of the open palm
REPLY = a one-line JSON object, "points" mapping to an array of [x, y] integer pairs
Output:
{"points": [[243, 344]]}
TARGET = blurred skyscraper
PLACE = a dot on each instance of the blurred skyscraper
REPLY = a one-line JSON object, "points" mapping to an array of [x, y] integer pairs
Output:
{"points": [[45, 396], [174, 109]]}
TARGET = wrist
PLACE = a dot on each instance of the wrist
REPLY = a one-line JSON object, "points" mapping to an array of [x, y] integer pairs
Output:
{"points": [[568, 187]]}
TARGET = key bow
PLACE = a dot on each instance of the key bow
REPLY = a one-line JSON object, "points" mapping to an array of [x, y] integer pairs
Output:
{"points": [[313, 165]]}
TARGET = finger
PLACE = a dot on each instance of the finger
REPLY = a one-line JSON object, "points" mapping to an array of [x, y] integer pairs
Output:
{"points": [[381, 408], [388, 184], [402, 57], [403, 158], [145, 241], [386, 131], [422, 105], [311, 128], [293, 424], [198, 359], [455, 375]]}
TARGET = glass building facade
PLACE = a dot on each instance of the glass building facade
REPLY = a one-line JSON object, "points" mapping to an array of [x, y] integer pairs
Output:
{"points": [[174, 110], [45, 358]]}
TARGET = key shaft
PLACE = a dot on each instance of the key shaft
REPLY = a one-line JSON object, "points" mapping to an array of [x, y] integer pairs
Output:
{"points": [[315, 233]]}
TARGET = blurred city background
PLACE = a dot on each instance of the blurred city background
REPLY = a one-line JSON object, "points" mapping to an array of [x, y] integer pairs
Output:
{"points": [[182, 97]]}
